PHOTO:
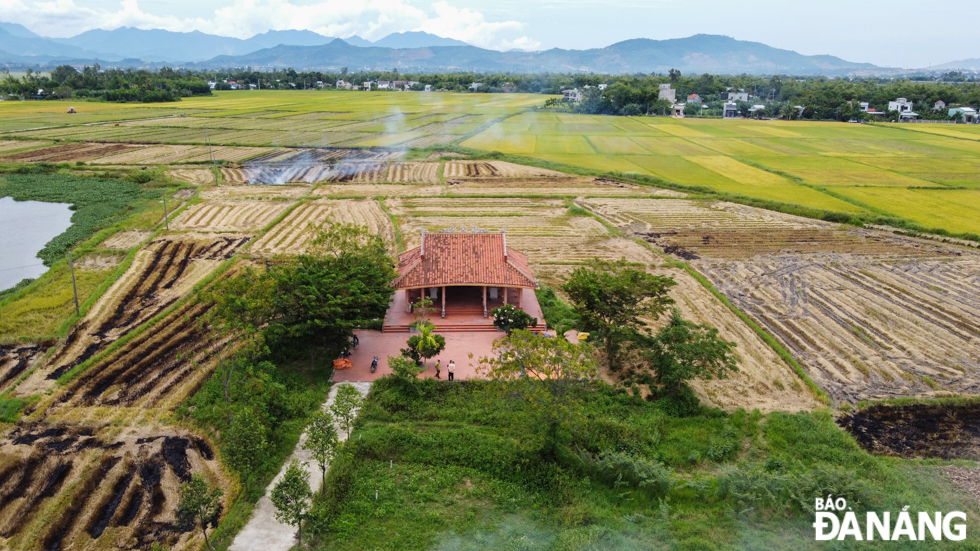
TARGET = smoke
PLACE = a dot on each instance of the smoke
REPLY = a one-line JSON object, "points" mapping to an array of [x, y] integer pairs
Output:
{"points": [[311, 166]]}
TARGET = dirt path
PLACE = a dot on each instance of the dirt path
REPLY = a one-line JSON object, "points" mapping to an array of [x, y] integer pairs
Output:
{"points": [[263, 531]]}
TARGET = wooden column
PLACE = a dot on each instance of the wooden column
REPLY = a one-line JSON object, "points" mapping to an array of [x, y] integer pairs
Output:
{"points": [[504, 289], [408, 299], [520, 297], [443, 301], [484, 301]]}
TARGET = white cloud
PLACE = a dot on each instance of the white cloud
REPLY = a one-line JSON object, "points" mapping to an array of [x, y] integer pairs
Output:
{"points": [[370, 19]]}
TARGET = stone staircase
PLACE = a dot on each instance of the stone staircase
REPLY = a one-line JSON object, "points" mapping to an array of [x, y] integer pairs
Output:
{"points": [[460, 318]]}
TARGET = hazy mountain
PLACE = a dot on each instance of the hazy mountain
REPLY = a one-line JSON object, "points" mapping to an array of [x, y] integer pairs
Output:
{"points": [[17, 30], [358, 41], [696, 54], [414, 39], [972, 64], [30, 46]]}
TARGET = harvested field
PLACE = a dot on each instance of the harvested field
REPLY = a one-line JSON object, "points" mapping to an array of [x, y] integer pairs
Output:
{"points": [[98, 262], [196, 176], [67, 153], [358, 173], [568, 186], [249, 191], [165, 270], [7, 145], [292, 234], [367, 213], [413, 173], [229, 215], [918, 430], [93, 486], [375, 190], [126, 240], [146, 155], [227, 154], [866, 327]]}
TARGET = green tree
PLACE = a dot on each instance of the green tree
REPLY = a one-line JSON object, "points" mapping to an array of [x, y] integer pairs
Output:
{"points": [[343, 283], [405, 367], [199, 505], [291, 496], [321, 441], [426, 344], [246, 444], [545, 374], [613, 298], [683, 351], [345, 405], [509, 317]]}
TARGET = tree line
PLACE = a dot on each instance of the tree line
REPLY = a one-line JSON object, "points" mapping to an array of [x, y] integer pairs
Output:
{"points": [[116, 85]]}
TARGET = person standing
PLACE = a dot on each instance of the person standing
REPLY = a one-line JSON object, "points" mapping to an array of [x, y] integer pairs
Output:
{"points": [[451, 368], [437, 369]]}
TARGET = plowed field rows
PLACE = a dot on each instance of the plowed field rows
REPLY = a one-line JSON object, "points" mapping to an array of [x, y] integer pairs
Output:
{"points": [[367, 213], [229, 215], [248, 191], [496, 169], [866, 327], [374, 190], [94, 487], [414, 173], [146, 155], [227, 154], [163, 271]]}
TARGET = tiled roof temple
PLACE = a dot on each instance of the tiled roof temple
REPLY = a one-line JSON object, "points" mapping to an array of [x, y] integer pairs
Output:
{"points": [[460, 258]]}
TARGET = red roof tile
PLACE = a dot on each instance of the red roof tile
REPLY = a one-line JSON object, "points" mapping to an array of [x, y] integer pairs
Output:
{"points": [[463, 259]]}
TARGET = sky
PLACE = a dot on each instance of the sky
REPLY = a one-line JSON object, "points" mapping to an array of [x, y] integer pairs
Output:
{"points": [[886, 33]]}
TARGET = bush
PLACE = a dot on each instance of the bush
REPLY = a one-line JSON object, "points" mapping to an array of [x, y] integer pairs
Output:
{"points": [[509, 317], [623, 469]]}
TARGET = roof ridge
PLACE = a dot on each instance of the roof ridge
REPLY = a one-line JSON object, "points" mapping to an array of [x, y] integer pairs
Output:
{"points": [[529, 278]]}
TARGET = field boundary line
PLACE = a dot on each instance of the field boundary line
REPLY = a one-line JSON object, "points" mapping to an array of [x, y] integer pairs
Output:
{"points": [[920, 134], [88, 124], [394, 222], [819, 394]]}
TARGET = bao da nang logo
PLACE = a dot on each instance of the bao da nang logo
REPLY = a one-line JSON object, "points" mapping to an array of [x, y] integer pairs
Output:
{"points": [[836, 522]]}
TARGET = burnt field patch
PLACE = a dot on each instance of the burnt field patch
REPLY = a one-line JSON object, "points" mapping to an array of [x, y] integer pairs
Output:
{"points": [[80, 487], [15, 360], [918, 430], [163, 272]]}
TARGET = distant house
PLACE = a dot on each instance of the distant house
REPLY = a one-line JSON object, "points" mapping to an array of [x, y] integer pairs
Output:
{"points": [[341, 84], [212, 84], [907, 116], [428, 87], [233, 84], [384, 85], [678, 110], [367, 85], [251, 87], [729, 110], [741, 95], [757, 107], [572, 96], [693, 98], [874, 112], [901, 105], [969, 114], [399, 84], [940, 105], [411, 84], [603, 86], [475, 87], [864, 106], [667, 93]]}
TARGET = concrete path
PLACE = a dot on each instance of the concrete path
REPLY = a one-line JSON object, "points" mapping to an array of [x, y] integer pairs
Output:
{"points": [[263, 532]]}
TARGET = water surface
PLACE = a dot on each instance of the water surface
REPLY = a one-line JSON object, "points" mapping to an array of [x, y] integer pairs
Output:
{"points": [[25, 228]]}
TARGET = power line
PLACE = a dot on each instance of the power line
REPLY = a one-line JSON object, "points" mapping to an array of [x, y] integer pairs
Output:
{"points": [[21, 267]]}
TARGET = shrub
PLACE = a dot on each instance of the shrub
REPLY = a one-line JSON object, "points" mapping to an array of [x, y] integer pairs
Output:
{"points": [[509, 317]]}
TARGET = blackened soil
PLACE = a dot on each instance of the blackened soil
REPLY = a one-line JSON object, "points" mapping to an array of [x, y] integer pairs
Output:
{"points": [[919, 430]]}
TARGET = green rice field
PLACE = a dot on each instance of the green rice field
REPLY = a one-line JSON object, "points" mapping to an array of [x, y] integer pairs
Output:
{"points": [[925, 173]]}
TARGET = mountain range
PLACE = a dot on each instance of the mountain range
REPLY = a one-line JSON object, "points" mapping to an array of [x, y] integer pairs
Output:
{"points": [[413, 51]]}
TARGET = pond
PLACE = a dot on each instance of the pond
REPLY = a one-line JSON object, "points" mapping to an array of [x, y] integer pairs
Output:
{"points": [[25, 228]]}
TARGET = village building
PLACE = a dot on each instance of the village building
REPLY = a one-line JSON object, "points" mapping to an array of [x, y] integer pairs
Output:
{"points": [[741, 95], [384, 84], [693, 98], [341, 84], [940, 105], [967, 115], [678, 110], [729, 110], [901, 105], [475, 87], [667, 93], [465, 274], [367, 85], [428, 87], [572, 96]]}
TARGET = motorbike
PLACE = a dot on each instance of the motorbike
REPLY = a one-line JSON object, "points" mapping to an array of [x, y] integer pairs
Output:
{"points": [[374, 364]]}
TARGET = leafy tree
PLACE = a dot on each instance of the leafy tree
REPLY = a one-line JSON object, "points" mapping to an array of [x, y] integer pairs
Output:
{"points": [[321, 440], [509, 317], [427, 344], [612, 298], [343, 283], [683, 351], [405, 367], [291, 496], [246, 444], [199, 505], [345, 405], [544, 373]]}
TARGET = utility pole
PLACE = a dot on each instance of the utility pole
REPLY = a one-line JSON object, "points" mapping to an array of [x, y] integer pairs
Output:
{"points": [[74, 289], [208, 141], [166, 217]]}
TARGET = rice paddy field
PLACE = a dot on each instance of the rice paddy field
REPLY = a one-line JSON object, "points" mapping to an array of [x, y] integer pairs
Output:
{"points": [[95, 461]]}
